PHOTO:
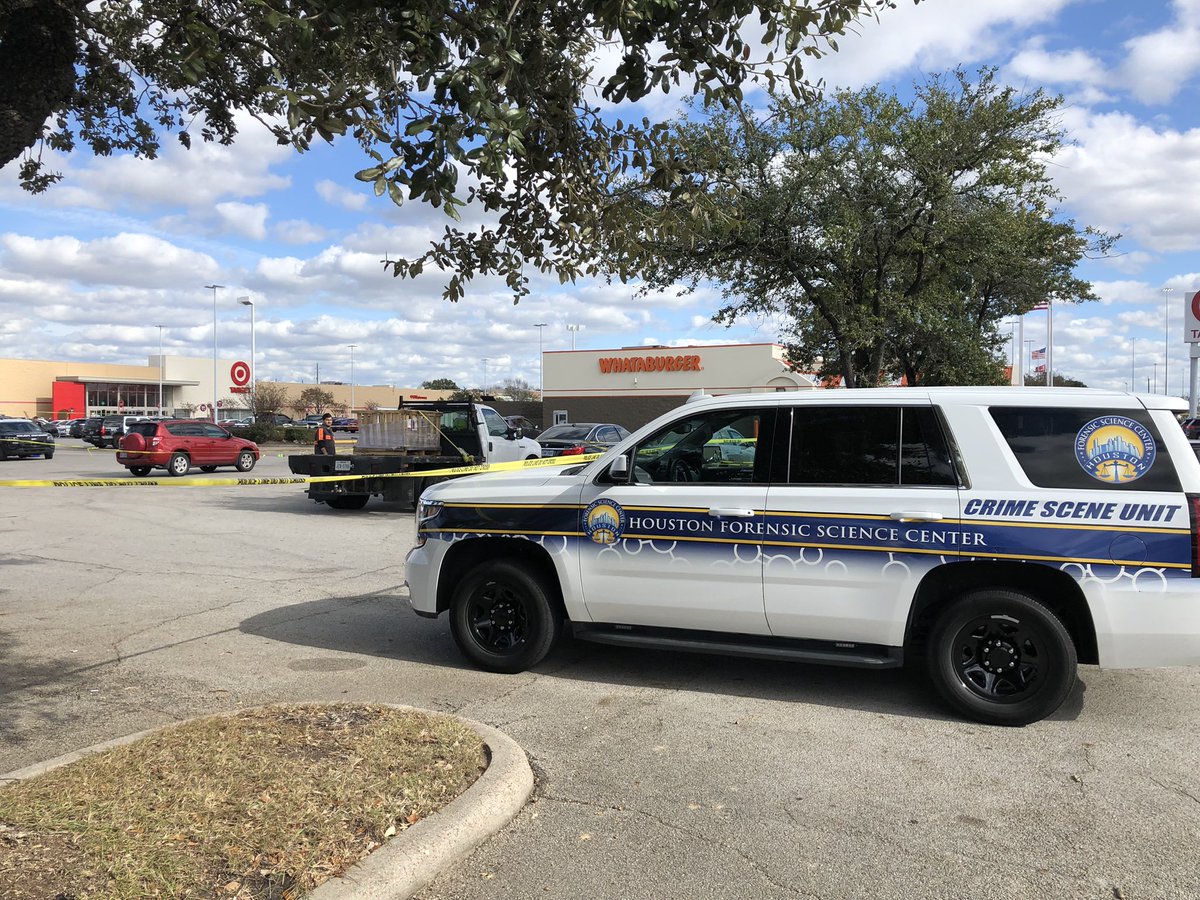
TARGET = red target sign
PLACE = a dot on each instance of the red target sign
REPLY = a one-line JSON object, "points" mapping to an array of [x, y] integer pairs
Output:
{"points": [[240, 373]]}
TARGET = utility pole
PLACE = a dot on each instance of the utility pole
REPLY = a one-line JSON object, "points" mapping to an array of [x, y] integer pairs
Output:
{"points": [[214, 288], [541, 361]]}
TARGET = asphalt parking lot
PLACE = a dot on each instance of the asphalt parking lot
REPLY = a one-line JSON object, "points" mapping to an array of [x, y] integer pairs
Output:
{"points": [[660, 775]]}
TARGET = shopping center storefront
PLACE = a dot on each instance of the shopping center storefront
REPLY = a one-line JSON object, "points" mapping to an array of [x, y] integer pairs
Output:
{"points": [[632, 385]]}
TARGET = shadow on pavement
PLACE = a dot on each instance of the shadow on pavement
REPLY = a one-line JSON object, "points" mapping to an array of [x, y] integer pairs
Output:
{"points": [[382, 625], [20, 674]]}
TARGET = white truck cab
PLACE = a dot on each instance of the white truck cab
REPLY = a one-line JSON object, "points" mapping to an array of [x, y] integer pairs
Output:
{"points": [[1000, 534]]}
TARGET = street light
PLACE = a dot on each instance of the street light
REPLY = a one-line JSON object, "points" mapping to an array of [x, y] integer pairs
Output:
{"points": [[1133, 362], [541, 360], [574, 329], [246, 301], [160, 368], [352, 346], [1166, 334], [214, 288], [485, 361], [1155, 378]]}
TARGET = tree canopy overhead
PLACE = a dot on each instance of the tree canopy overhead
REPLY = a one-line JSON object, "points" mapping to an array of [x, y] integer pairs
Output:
{"points": [[485, 102], [889, 237]]}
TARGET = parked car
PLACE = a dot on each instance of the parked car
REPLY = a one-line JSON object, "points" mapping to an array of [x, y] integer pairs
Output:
{"points": [[312, 420], [584, 437], [1191, 428], [345, 424], [90, 431], [999, 535], [526, 426], [65, 426], [22, 438], [113, 428], [271, 418], [178, 444]]}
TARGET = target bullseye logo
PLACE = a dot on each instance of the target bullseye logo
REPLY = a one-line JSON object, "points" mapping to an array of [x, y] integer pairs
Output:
{"points": [[240, 373]]}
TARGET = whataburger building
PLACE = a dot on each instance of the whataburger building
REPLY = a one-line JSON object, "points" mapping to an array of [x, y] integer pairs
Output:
{"points": [[628, 386], [633, 385]]}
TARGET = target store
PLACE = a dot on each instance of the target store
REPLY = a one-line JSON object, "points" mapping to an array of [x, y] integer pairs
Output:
{"points": [[57, 389]]}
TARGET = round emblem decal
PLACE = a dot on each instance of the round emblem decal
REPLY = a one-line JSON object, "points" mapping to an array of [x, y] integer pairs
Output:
{"points": [[604, 521], [1115, 449]]}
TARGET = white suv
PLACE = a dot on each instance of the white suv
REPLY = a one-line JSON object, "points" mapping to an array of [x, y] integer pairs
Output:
{"points": [[1002, 534]]}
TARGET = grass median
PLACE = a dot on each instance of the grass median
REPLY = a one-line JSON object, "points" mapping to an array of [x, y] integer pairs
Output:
{"points": [[266, 803]]}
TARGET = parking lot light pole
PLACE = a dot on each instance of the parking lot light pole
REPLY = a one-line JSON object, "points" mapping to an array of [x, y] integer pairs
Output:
{"points": [[541, 363], [246, 301], [160, 369], [214, 288], [1166, 292], [574, 329], [352, 346]]}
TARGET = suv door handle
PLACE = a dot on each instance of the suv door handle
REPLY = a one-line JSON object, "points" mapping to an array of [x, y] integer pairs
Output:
{"points": [[731, 512], [916, 516]]}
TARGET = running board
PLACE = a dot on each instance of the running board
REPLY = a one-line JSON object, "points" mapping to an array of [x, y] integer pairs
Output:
{"points": [[829, 653]]}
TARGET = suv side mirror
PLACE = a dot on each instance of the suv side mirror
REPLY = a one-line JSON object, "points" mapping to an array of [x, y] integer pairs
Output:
{"points": [[619, 470]]}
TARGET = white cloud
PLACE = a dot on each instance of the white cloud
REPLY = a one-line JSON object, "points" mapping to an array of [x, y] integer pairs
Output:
{"points": [[300, 231], [246, 219], [333, 193], [1160, 63], [124, 259], [1126, 176]]}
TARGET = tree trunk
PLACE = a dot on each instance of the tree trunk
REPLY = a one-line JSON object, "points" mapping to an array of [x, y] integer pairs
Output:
{"points": [[37, 72]]}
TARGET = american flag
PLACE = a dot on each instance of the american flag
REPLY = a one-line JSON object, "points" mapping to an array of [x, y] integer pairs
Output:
{"points": [[1043, 305], [1038, 354], [1041, 368]]}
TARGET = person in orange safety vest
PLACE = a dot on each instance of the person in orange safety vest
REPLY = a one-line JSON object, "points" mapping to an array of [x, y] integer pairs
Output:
{"points": [[323, 444]]}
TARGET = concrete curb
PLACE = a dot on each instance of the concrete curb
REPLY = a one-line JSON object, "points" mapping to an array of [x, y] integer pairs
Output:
{"points": [[414, 857], [417, 855]]}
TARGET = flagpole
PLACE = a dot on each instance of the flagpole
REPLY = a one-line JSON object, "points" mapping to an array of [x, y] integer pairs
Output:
{"points": [[1049, 343]]}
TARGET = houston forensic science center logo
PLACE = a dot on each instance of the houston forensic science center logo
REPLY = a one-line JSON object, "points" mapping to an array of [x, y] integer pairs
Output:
{"points": [[604, 521], [1115, 449]]}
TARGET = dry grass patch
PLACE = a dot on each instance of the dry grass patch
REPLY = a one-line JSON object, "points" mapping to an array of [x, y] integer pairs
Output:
{"points": [[262, 804]]}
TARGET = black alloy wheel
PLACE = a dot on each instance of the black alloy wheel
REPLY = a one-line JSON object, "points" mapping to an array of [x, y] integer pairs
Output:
{"points": [[1002, 657], [503, 618]]}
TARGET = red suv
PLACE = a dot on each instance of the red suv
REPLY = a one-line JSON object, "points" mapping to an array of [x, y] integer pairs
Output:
{"points": [[178, 444]]}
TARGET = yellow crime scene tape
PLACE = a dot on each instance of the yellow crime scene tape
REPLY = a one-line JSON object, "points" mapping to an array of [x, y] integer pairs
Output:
{"points": [[301, 479]]}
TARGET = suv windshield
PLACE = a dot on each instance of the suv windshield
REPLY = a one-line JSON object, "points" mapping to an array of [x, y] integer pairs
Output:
{"points": [[21, 427]]}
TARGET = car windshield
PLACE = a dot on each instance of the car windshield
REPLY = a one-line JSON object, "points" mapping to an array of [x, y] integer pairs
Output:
{"points": [[565, 433], [19, 427]]}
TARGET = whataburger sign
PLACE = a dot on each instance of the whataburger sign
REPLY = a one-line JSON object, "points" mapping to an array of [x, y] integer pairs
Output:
{"points": [[612, 365]]}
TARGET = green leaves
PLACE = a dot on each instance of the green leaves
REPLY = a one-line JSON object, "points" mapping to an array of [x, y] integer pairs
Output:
{"points": [[891, 237]]}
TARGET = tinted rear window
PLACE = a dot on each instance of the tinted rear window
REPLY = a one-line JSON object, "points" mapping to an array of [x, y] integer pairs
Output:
{"points": [[145, 429], [1087, 449], [883, 445], [566, 433]]}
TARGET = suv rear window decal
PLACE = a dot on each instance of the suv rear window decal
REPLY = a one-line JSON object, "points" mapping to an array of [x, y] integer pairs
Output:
{"points": [[1115, 449]]}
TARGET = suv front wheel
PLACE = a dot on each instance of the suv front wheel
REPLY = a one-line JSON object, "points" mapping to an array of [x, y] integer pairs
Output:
{"points": [[178, 464], [1001, 657], [502, 617]]}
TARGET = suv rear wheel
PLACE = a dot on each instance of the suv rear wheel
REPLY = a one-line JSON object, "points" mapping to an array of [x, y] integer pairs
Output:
{"points": [[502, 617], [178, 464], [1001, 657]]}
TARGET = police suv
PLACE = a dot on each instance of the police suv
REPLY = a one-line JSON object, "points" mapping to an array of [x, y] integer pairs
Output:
{"points": [[1000, 534]]}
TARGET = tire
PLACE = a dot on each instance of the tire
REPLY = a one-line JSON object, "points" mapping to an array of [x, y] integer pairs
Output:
{"points": [[208, 468], [531, 457], [139, 471], [502, 617], [178, 465], [48, 455], [1001, 657], [245, 461], [354, 501], [116, 443]]}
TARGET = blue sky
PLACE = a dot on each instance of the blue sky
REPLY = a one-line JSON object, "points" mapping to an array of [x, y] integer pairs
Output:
{"points": [[88, 269]]}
